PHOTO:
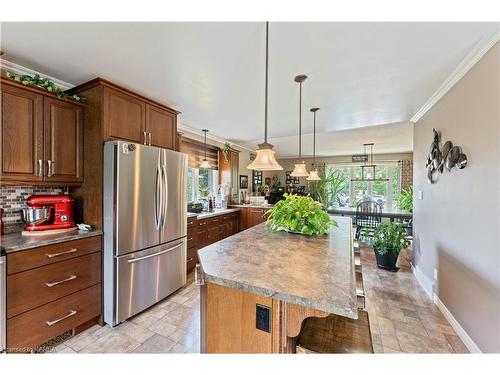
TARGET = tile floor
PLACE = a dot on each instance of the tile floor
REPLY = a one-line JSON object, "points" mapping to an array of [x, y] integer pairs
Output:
{"points": [[402, 319]]}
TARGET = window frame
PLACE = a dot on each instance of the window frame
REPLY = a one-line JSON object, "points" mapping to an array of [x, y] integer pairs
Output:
{"points": [[390, 165]]}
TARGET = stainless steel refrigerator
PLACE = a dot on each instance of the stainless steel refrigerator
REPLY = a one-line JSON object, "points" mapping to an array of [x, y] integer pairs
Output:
{"points": [[144, 227]]}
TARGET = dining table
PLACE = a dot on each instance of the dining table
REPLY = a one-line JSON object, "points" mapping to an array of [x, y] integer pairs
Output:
{"points": [[388, 213]]}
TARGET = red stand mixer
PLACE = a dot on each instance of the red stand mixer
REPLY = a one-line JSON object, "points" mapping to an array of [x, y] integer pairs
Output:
{"points": [[48, 212]]}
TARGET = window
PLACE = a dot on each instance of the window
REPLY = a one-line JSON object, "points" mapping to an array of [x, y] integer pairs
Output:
{"points": [[384, 192], [201, 183]]}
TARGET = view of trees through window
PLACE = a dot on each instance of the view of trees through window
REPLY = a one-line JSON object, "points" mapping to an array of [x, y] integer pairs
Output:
{"points": [[384, 192], [201, 183]]}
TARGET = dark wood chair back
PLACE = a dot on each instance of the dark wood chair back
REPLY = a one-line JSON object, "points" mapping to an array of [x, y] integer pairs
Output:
{"points": [[368, 215]]}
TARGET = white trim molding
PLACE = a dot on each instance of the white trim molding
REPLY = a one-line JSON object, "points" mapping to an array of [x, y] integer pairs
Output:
{"points": [[19, 69], [466, 339], [428, 285], [461, 70], [424, 281]]}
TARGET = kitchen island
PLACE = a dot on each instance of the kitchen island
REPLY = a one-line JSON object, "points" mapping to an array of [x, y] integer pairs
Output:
{"points": [[259, 286]]}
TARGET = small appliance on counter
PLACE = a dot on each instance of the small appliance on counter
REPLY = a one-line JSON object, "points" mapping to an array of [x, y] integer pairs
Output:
{"points": [[48, 214]]}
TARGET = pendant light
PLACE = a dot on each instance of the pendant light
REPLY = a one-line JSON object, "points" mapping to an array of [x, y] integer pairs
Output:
{"points": [[368, 168], [265, 160], [300, 168], [313, 175], [204, 164]]}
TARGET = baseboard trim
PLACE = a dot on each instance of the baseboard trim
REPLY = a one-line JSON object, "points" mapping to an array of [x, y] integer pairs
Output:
{"points": [[424, 281], [427, 284], [466, 339]]}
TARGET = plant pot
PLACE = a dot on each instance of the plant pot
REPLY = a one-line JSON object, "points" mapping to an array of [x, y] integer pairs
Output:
{"points": [[387, 261]]}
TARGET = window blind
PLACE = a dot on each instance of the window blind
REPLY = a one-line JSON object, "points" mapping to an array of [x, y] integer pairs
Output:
{"points": [[195, 150]]}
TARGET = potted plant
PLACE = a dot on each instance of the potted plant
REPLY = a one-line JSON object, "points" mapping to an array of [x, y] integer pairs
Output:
{"points": [[388, 240], [405, 200], [301, 215], [328, 187]]}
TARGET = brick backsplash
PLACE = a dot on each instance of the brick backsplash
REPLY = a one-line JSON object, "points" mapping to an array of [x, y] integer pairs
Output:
{"points": [[13, 198]]}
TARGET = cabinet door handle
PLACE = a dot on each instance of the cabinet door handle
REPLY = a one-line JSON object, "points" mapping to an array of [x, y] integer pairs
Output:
{"points": [[50, 171], [149, 139], [40, 168], [71, 313], [50, 285], [61, 253], [145, 135]]}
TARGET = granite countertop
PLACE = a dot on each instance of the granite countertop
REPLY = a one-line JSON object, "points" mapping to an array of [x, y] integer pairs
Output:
{"points": [[216, 212], [253, 205], [16, 242], [315, 272]]}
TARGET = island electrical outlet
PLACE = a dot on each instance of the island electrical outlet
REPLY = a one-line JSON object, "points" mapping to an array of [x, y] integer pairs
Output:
{"points": [[263, 318]]}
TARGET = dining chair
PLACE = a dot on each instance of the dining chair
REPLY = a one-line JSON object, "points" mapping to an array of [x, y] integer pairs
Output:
{"points": [[368, 218]]}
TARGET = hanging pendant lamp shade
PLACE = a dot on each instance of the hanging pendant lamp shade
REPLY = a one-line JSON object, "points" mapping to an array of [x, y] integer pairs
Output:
{"points": [[300, 168], [265, 160], [205, 164], [313, 175]]}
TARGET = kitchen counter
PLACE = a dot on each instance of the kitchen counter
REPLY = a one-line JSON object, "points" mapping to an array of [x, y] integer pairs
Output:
{"points": [[313, 272], [16, 242], [252, 205], [216, 212]]}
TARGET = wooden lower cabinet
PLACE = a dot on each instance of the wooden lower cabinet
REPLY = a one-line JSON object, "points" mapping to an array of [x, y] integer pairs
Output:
{"points": [[52, 289], [251, 216], [30, 289], [204, 232], [26, 331]]}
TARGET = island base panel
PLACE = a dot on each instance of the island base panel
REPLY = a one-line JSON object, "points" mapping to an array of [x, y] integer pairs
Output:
{"points": [[229, 322]]}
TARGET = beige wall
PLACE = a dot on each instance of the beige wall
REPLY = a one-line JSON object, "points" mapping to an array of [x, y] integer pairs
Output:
{"points": [[457, 223], [288, 164]]}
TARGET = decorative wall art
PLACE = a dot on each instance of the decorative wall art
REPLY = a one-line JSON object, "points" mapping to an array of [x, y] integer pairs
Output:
{"points": [[243, 181], [449, 157]]}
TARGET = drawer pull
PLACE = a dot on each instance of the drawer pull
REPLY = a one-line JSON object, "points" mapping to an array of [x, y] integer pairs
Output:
{"points": [[71, 313], [189, 260], [50, 285], [62, 253], [190, 238]]}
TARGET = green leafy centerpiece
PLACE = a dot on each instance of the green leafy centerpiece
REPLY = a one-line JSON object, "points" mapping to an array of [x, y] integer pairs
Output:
{"points": [[302, 215]]}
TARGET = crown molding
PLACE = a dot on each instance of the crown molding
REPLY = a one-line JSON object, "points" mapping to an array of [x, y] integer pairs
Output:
{"points": [[483, 46], [190, 129], [19, 69]]}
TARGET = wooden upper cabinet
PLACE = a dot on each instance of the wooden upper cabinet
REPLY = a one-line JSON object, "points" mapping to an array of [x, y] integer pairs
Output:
{"points": [[161, 126], [21, 135], [37, 127], [63, 138], [124, 116]]}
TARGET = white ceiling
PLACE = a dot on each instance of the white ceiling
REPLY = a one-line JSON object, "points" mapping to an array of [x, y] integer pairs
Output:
{"points": [[360, 74]]}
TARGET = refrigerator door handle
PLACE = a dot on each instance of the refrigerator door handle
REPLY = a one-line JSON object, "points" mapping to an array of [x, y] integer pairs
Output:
{"points": [[135, 260], [165, 195], [158, 197]]}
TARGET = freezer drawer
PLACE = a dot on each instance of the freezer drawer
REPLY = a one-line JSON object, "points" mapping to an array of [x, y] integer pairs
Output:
{"points": [[148, 276]]}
